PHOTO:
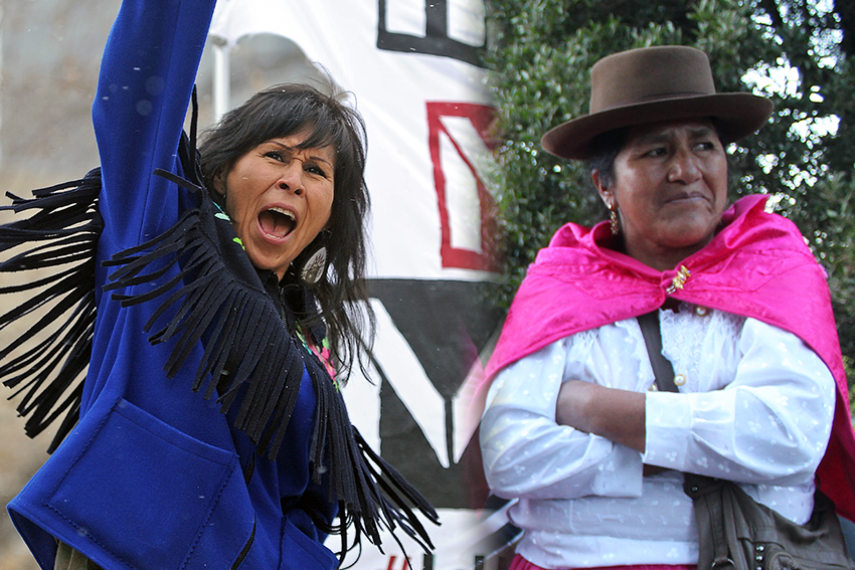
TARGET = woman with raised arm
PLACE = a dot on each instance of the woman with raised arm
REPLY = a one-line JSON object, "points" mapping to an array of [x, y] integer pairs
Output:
{"points": [[575, 429], [218, 299]]}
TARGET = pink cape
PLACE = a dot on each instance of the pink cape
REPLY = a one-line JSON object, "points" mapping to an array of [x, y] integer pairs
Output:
{"points": [[757, 266]]}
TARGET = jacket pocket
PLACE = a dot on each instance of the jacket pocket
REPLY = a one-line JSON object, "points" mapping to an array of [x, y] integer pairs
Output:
{"points": [[145, 492], [300, 551]]}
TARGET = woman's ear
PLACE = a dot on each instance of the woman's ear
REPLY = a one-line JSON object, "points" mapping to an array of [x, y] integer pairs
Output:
{"points": [[219, 184], [602, 189]]}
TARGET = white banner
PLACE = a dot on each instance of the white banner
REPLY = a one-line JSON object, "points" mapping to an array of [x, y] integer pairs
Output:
{"points": [[412, 68]]}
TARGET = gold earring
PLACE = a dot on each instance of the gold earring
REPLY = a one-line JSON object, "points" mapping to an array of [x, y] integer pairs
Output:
{"points": [[614, 223]]}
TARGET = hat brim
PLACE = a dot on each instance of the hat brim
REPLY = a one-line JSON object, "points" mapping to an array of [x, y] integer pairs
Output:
{"points": [[737, 115]]}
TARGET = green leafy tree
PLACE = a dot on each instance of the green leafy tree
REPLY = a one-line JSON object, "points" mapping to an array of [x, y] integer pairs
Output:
{"points": [[797, 52]]}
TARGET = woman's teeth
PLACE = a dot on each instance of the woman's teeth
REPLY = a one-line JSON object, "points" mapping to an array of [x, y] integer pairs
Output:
{"points": [[284, 212], [277, 222]]}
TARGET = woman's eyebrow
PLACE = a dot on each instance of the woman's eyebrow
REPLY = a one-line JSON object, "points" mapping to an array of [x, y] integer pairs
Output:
{"points": [[295, 149], [321, 159], [283, 145]]}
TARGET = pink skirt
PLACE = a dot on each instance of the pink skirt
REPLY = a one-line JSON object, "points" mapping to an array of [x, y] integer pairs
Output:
{"points": [[520, 563]]}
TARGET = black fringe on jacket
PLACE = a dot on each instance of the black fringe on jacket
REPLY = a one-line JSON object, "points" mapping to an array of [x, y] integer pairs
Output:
{"points": [[62, 232]]}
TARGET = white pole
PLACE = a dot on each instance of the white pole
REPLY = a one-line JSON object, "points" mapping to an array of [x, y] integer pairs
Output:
{"points": [[221, 77]]}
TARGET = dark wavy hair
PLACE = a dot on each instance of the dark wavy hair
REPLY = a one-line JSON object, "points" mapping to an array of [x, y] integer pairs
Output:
{"points": [[283, 110]]}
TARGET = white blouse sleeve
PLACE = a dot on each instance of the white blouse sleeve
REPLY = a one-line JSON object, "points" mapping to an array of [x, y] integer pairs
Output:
{"points": [[769, 425], [527, 455]]}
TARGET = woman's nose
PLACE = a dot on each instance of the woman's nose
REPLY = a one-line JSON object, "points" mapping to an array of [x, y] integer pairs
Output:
{"points": [[684, 168], [291, 177]]}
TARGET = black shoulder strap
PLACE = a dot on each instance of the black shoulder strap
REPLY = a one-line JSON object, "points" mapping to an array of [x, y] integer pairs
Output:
{"points": [[662, 368]]}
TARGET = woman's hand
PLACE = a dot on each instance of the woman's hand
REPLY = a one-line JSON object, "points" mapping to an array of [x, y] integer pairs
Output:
{"points": [[617, 415]]}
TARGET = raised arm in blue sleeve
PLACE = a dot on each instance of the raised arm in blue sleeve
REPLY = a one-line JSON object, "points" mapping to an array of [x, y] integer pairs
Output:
{"points": [[147, 75]]}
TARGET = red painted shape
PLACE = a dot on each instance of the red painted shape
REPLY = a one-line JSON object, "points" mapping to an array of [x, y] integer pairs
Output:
{"points": [[481, 117]]}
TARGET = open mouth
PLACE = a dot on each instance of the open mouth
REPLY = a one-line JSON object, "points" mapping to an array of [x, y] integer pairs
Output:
{"points": [[277, 222]]}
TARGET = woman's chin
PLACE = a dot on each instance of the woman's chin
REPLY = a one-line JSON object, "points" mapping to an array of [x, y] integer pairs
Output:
{"points": [[267, 251], [262, 261], [693, 232]]}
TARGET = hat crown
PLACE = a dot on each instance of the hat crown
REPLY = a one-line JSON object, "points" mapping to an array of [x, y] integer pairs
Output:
{"points": [[649, 74]]}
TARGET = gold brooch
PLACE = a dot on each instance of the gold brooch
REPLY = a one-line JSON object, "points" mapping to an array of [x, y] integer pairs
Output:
{"points": [[679, 280]]}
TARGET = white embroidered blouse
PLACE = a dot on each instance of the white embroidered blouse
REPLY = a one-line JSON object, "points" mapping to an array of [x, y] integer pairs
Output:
{"points": [[756, 407]]}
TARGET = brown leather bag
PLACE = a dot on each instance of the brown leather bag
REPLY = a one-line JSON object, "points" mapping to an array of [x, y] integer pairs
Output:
{"points": [[737, 533]]}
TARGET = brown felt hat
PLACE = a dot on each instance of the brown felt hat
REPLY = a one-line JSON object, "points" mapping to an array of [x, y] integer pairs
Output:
{"points": [[648, 85]]}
